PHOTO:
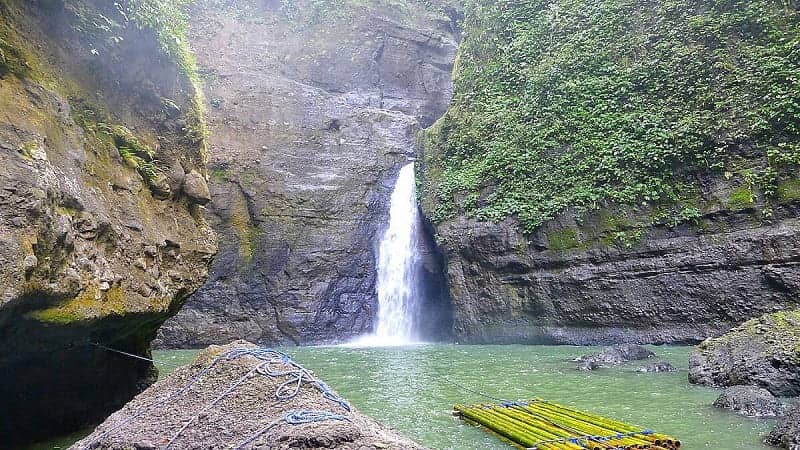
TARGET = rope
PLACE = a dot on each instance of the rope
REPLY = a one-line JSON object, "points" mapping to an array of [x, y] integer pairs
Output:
{"points": [[121, 352], [298, 376], [294, 418], [438, 377], [230, 389], [589, 437]]}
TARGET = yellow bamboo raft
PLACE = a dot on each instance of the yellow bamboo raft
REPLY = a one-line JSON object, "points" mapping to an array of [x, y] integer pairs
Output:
{"points": [[542, 425]]}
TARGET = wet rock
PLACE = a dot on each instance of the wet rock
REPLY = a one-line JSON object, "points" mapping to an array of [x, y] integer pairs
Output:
{"points": [[761, 352], [159, 187], [588, 364], [658, 367], [303, 155], [786, 433], [613, 355], [177, 176], [250, 418], [196, 188], [750, 401], [676, 285], [29, 263]]}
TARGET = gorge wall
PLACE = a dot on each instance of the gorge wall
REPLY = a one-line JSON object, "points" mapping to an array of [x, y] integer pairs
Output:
{"points": [[620, 171], [314, 108], [101, 238]]}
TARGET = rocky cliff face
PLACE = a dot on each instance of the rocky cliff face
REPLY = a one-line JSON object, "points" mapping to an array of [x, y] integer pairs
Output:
{"points": [[100, 237], [591, 182], [573, 282], [314, 108]]}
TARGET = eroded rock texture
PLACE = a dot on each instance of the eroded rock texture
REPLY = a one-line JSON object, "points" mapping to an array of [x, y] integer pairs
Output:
{"points": [[314, 107], [763, 352], [92, 251], [575, 282], [786, 433], [750, 401]]}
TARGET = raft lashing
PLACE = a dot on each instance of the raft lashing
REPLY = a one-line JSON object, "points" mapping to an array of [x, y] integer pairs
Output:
{"points": [[542, 425]]}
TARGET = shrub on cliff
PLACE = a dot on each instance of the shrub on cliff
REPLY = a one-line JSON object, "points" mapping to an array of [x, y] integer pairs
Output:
{"points": [[568, 103]]}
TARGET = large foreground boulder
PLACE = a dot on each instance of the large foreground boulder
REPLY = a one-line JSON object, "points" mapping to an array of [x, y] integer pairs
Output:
{"points": [[762, 352], [787, 433], [241, 396]]}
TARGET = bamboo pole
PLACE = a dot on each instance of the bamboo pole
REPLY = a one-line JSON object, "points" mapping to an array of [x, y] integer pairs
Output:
{"points": [[550, 426], [588, 428], [661, 438]]}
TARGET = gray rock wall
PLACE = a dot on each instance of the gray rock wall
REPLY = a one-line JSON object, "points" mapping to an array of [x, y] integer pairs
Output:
{"points": [[92, 251], [674, 285], [313, 110]]}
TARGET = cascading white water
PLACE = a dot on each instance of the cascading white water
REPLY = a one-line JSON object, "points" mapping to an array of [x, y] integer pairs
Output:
{"points": [[397, 260]]}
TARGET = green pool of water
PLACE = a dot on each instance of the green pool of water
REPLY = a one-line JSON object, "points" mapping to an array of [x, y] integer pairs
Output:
{"points": [[412, 390]]}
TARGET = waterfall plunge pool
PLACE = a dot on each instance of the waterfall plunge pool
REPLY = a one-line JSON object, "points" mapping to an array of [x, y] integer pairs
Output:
{"points": [[406, 388]]}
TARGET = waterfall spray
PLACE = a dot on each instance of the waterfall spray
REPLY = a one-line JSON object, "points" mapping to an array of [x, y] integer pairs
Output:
{"points": [[397, 259]]}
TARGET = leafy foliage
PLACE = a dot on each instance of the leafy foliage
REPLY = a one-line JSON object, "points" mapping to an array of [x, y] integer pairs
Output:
{"points": [[166, 19], [578, 103]]}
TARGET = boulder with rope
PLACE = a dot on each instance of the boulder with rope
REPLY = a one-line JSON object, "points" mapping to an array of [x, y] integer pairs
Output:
{"points": [[241, 396]]}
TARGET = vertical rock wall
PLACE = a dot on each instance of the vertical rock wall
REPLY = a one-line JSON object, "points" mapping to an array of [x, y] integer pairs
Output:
{"points": [[94, 249], [314, 107]]}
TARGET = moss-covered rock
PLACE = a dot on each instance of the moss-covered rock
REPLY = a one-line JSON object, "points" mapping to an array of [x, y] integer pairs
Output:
{"points": [[654, 204], [89, 256], [763, 352]]}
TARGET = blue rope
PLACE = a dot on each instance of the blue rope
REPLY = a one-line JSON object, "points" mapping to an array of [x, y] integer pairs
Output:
{"points": [[586, 438], [294, 418], [298, 376]]}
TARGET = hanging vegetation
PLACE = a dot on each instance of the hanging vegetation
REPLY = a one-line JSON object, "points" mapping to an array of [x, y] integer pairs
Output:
{"points": [[564, 104]]}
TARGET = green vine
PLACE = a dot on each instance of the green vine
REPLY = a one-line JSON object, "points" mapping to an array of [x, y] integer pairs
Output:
{"points": [[572, 104]]}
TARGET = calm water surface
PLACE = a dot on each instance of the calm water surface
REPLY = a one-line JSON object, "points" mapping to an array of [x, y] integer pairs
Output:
{"points": [[413, 390]]}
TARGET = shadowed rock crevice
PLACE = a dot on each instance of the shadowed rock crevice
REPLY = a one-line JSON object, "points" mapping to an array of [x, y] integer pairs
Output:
{"points": [[436, 312]]}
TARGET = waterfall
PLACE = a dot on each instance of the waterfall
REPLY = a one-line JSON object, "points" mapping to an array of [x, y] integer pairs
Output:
{"points": [[397, 259]]}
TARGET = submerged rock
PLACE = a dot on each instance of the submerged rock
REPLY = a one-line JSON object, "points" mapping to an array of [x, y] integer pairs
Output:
{"points": [[658, 367], [241, 396], [763, 352], [786, 433], [750, 401], [616, 354]]}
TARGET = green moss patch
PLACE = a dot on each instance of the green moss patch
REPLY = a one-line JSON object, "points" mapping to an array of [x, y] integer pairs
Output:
{"points": [[742, 197], [780, 330], [12, 61], [565, 239], [92, 304], [789, 190]]}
